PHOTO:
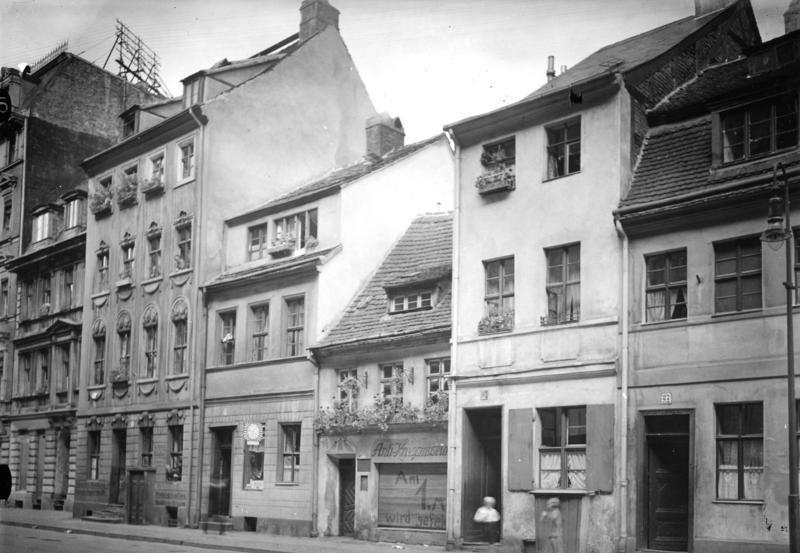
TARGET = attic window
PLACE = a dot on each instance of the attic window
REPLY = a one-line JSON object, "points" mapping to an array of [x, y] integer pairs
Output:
{"points": [[193, 92], [128, 124], [411, 301], [759, 129]]}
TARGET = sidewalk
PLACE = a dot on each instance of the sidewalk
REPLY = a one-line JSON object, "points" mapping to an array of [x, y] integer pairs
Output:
{"points": [[231, 541]]}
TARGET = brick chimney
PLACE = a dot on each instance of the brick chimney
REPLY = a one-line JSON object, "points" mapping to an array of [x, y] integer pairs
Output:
{"points": [[316, 15], [791, 17], [384, 134], [702, 7]]}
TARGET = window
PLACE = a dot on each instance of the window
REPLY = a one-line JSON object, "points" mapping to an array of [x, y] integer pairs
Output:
{"points": [[289, 466], [150, 324], [411, 302], [254, 447], [392, 384], [296, 230], [128, 254], [737, 275], [175, 466], [44, 370], [179, 346], [740, 450], [7, 211], [94, 454], [438, 371], [259, 331], [562, 455], [184, 236], [146, 435], [349, 386], [227, 322], [45, 293], [759, 129], [295, 321], [73, 213], [124, 335], [563, 285], [186, 161], [99, 338], [154, 254], [666, 286], [499, 295], [66, 365], [27, 384], [28, 310], [192, 92], [563, 148], [499, 153], [4, 297], [102, 270], [156, 169], [128, 124], [257, 241], [42, 226], [68, 287]]}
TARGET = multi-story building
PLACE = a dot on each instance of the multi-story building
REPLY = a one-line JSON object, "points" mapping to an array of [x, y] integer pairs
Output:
{"points": [[292, 265], [62, 109], [383, 370], [244, 131], [536, 334], [707, 410]]}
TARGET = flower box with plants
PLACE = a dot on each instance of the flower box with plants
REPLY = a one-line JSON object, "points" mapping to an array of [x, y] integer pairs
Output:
{"points": [[282, 246], [497, 322], [119, 377], [126, 193], [154, 185], [497, 178], [100, 202]]}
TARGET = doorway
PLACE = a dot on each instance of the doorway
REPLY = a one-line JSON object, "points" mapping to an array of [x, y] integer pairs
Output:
{"points": [[118, 475], [137, 494], [481, 466], [667, 478], [219, 493], [347, 496]]}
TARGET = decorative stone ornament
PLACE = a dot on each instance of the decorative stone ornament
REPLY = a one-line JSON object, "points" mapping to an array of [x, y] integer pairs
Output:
{"points": [[124, 322], [180, 311], [98, 328]]}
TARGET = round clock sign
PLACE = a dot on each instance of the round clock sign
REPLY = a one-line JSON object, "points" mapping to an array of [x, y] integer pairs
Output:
{"points": [[252, 433]]}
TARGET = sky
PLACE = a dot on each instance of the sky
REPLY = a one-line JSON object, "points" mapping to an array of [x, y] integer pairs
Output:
{"points": [[429, 62]]}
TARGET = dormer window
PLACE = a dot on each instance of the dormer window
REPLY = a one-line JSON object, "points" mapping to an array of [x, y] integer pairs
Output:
{"points": [[294, 232], [74, 210], [43, 223], [128, 123], [410, 301], [192, 92], [759, 129]]}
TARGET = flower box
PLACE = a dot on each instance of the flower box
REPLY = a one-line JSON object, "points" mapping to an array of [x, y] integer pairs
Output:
{"points": [[126, 194], [153, 186], [279, 249], [498, 322], [496, 179], [100, 204]]}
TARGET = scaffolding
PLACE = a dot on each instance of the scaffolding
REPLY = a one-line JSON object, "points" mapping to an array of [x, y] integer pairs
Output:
{"points": [[138, 64]]}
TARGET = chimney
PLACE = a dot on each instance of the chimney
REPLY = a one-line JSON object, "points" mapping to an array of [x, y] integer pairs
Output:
{"points": [[384, 134], [791, 18], [703, 7], [315, 16], [563, 70], [551, 68]]}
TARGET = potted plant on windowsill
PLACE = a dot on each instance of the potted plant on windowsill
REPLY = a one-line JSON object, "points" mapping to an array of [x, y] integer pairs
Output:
{"points": [[154, 185], [497, 322], [126, 193], [282, 246], [496, 178], [100, 203]]}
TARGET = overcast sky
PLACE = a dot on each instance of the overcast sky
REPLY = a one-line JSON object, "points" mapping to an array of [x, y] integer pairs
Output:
{"points": [[430, 62]]}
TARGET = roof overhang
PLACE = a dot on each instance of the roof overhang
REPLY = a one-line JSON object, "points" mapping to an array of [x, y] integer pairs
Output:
{"points": [[437, 335], [72, 247]]}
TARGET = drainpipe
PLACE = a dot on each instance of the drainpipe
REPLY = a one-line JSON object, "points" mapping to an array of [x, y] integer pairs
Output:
{"points": [[622, 490], [199, 302], [452, 419], [315, 452]]}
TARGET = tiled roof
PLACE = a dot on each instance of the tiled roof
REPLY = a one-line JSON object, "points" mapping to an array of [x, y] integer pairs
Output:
{"points": [[425, 248], [342, 176], [628, 54]]}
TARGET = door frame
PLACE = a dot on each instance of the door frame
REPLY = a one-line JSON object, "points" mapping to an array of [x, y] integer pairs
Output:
{"points": [[642, 469], [215, 441], [339, 511], [119, 466]]}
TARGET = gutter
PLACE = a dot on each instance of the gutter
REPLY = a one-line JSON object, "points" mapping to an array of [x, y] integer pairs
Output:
{"points": [[315, 453], [622, 476]]}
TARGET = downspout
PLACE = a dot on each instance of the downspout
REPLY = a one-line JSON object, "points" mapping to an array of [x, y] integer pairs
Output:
{"points": [[198, 303], [622, 479], [315, 452], [452, 419]]}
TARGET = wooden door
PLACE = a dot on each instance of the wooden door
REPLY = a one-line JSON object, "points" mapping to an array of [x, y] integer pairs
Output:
{"points": [[118, 470], [668, 494], [137, 497], [481, 447], [219, 496], [347, 497], [570, 507], [40, 455]]}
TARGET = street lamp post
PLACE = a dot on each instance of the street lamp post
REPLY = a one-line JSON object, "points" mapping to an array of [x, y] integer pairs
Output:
{"points": [[779, 230]]}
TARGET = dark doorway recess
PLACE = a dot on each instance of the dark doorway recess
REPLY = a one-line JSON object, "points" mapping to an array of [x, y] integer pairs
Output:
{"points": [[482, 441]]}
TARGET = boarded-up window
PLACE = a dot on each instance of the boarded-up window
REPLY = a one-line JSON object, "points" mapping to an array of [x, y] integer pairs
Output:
{"points": [[412, 495], [520, 449]]}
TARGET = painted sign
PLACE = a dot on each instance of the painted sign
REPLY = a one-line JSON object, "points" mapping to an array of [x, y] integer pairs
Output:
{"points": [[412, 495], [404, 448]]}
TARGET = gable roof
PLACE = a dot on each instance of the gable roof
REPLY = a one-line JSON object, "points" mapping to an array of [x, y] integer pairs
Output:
{"points": [[425, 249], [337, 178]]}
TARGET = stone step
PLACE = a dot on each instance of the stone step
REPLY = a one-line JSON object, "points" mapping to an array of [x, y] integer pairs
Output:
{"points": [[216, 526]]}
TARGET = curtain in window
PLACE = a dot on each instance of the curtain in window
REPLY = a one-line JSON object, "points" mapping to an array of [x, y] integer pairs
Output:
{"points": [[728, 474], [549, 469], [753, 468], [655, 305], [576, 469]]}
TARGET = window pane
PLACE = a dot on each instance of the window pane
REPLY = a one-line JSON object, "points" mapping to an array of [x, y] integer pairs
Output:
{"points": [[728, 419], [550, 433], [576, 470], [550, 469], [492, 269], [574, 157], [753, 419]]}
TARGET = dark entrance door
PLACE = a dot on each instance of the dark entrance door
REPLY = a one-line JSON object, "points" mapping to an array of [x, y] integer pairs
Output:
{"points": [[137, 495], [117, 481], [667, 476], [219, 494], [481, 466], [347, 496]]}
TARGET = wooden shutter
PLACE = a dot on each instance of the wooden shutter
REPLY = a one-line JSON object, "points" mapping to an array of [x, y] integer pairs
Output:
{"points": [[600, 448], [520, 449]]}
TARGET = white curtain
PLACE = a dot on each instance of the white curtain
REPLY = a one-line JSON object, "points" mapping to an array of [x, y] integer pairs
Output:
{"points": [[549, 469], [576, 469]]}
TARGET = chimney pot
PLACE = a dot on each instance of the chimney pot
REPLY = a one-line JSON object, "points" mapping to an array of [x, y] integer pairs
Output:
{"points": [[315, 16], [384, 134], [551, 68], [791, 17]]}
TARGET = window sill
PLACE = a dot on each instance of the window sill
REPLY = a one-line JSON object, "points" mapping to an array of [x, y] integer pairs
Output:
{"points": [[246, 364], [180, 273], [124, 283], [11, 164], [744, 312], [755, 502], [559, 491], [96, 387], [549, 179], [176, 376], [674, 322], [287, 484], [152, 280], [185, 181], [149, 380]]}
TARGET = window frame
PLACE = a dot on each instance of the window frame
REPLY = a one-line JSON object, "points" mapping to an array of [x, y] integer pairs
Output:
{"points": [[258, 336], [4, 298], [739, 275], [348, 395], [183, 243], [146, 445], [745, 110], [42, 226], [102, 270], [392, 387], [99, 360], [150, 328], [422, 300], [93, 446], [294, 439], [551, 147], [302, 219], [739, 438], [440, 377], [667, 285], [154, 254], [128, 259], [561, 433], [154, 170], [294, 338], [68, 286], [503, 276], [558, 288], [257, 241], [74, 213], [226, 321], [182, 175], [174, 471], [8, 212], [180, 348]]}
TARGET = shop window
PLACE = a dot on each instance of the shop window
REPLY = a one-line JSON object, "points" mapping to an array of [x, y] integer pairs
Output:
{"points": [[94, 454], [562, 454], [740, 451], [175, 463], [412, 495], [254, 447], [289, 463], [737, 275]]}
